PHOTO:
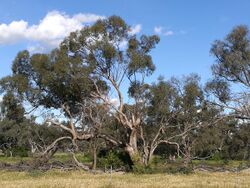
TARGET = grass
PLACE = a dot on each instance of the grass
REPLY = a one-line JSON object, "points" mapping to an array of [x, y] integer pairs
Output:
{"points": [[78, 179], [219, 163], [12, 160], [64, 157]]}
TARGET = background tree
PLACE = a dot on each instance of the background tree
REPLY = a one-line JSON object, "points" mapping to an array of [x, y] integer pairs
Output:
{"points": [[11, 108], [232, 66], [231, 84], [53, 82], [177, 114], [12, 125]]}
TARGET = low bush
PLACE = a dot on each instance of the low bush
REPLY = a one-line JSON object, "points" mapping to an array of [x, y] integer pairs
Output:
{"points": [[112, 158], [21, 152]]}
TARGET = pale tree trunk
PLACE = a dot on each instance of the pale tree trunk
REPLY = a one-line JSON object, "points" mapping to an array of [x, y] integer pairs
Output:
{"points": [[187, 151], [131, 123], [94, 153], [147, 156], [133, 152], [132, 149], [94, 159], [187, 158]]}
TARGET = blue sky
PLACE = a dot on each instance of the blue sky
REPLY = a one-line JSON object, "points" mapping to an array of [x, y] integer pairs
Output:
{"points": [[186, 27]]}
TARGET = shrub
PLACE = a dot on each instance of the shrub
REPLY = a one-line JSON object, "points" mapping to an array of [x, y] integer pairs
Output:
{"points": [[20, 151], [216, 157], [111, 159], [142, 169]]}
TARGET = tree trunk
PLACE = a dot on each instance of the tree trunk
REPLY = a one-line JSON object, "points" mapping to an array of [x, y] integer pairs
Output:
{"points": [[187, 150], [132, 148], [94, 156], [148, 154], [146, 157], [187, 157], [187, 161]]}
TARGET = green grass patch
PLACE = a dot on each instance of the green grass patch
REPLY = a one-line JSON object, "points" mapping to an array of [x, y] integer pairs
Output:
{"points": [[13, 160], [222, 163]]}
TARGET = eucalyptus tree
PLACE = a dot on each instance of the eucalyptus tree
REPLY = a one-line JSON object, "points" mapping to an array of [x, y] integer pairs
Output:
{"points": [[232, 68], [196, 119], [176, 113], [13, 124], [54, 81], [180, 110], [159, 112], [11, 108], [92, 67], [230, 87], [121, 61], [16, 130]]}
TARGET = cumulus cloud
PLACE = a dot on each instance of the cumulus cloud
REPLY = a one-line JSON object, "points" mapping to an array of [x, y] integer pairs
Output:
{"points": [[49, 32], [162, 31], [158, 29], [135, 29], [12, 32]]}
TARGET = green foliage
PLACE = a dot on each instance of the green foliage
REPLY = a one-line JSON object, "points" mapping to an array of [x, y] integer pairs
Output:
{"points": [[233, 56], [159, 165], [21, 151], [141, 169], [67, 75], [219, 88], [216, 157], [110, 159], [12, 108]]}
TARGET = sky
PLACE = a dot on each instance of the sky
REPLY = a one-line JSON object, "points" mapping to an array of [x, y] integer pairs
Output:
{"points": [[187, 28]]}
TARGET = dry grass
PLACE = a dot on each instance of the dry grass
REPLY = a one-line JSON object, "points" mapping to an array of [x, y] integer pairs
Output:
{"points": [[77, 179]]}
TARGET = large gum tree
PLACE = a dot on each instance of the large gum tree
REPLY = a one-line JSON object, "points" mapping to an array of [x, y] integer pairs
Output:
{"points": [[94, 66]]}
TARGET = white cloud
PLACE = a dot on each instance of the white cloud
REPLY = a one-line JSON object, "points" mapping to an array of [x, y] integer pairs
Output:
{"points": [[12, 32], [48, 33], [36, 48], [158, 29], [87, 18], [168, 33], [135, 29], [162, 31]]}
